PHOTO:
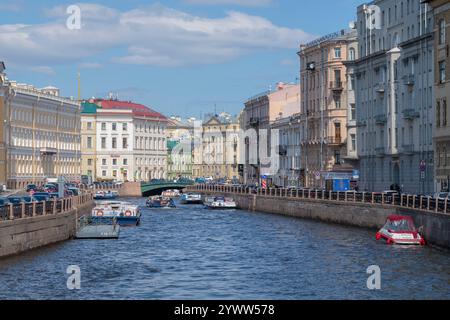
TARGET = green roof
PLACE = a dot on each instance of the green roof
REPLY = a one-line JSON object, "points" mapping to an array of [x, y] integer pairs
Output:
{"points": [[171, 144], [89, 108]]}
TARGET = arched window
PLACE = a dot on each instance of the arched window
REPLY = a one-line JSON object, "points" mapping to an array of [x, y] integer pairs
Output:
{"points": [[442, 31], [351, 54]]}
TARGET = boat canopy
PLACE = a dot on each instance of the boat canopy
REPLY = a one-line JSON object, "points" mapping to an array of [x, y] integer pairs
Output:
{"points": [[399, 223]]}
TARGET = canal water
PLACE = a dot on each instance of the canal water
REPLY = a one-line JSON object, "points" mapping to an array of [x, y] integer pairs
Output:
{"points": [[194, 253]]}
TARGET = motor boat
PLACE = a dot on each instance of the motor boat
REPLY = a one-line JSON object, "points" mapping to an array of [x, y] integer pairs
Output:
{"points": [[92, 228], [171, 193], [191, 198], [220, 203], [400, 230], [160, 202], [125, 213], [105, 195]]}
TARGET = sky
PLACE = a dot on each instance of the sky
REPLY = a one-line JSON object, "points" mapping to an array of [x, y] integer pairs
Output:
{"points": [[179, 57]]}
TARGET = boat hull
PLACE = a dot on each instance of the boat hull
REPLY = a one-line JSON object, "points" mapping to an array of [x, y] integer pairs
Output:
{"points": [[122, 221], [98, 232]]}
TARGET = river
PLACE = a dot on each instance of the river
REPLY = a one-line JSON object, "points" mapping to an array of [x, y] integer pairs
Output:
{"points": [[193, 253]]}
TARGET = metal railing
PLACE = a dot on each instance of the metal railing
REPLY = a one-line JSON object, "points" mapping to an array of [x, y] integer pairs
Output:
{"points": [[34, 209], [426, 203]]}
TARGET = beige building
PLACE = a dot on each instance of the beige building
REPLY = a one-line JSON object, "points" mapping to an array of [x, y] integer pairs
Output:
{"points": [[442, 93], [89, 140], [259, 113], [42, 135], [216, 156], [3, 95], [325, 107]]}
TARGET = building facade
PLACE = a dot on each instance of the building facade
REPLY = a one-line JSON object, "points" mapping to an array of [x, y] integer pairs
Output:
{"points": [[124, 141], [394, 96], [217, 153], [328, 135], [289, 151], [259, 113], [180, 139], [441, 10], [42, 135], [3, 116]]}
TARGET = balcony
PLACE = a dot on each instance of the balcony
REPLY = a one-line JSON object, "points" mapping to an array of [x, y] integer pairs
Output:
{"points": [[254, 122], [408, 80], [336, 85], [380, 119], [380, 151], [408, 149], [410, 114], [334, 140], [380, 87]]}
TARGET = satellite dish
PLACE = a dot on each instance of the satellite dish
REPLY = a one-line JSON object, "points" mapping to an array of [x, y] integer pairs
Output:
{"points": [[352, 25]]}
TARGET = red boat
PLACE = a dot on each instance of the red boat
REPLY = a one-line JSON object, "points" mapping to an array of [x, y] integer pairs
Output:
{"points": [[400, 230]]}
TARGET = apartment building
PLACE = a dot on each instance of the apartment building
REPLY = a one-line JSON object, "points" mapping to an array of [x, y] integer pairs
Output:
{"points": [[328, 126], [441, 11], [3, 116], [394, 96]]}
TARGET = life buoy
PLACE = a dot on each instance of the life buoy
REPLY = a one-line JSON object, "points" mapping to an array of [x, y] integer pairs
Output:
{"points": [[128, 213], [100, 213]]}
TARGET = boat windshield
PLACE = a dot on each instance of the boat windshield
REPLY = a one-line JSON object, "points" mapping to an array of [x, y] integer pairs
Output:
{"points": [[219, 199], [400, 225]]}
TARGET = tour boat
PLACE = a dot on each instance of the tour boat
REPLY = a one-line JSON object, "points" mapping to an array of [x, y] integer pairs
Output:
{"points": [[400, 230], [220, 203], [160, 202], [92, 228], [191, 198], [126, 214], [105, 195], [171, 193]]}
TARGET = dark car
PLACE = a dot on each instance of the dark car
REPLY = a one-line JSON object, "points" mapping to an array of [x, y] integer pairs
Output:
{"points": [[15, 199], [41, 196], [31, 187], [4, 202]]}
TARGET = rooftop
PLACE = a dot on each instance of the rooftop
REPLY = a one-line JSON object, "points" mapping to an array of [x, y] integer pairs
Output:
{"points": [[139, 110]]}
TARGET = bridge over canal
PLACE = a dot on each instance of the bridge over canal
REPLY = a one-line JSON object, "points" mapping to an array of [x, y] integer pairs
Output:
{"points": [[151, 189]]}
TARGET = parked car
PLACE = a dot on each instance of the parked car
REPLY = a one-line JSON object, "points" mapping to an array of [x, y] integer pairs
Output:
{"points": [[31, 187], [15, 199], [4, 202], [41, 196]]}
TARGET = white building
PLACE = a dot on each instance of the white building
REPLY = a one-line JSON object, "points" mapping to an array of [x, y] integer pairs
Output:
{"points": [[130, 142], [394, 95]]}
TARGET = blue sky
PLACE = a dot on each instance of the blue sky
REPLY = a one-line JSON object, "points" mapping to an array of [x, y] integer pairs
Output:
{"points": [[183, 57]]}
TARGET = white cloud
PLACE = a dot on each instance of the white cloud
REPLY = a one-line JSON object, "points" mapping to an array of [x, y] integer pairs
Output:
{"points": [[248, 3], [154, 35]]}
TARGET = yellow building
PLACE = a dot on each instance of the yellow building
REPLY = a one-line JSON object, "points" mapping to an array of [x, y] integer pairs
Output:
{"points": [[89, 140], [216, 156], [3, 96]]}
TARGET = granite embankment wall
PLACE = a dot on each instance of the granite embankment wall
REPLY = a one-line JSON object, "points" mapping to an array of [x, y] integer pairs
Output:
{"points": [[20, 235], [436, 226]]}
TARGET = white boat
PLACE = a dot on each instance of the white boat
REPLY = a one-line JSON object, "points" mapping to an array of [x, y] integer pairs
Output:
{"points": [[171, 193], [125, 213], [220, 202], [400, 230], [191, 198]]}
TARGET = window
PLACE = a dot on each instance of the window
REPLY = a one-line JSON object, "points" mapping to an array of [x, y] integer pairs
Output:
{"points": [[124, 143], [103, 162], [337, 52], [89, 162], [353, 142], [352, 111], [442, 31], [337, 157], [104, 173], [103, 143], [351, 54], [442, 71], [337, 102], [114, 126], [444, 112], [114, 161], [89, 125], [114, 143], [125, 161], [89, 142], [125, 126], [103, 126], [114, 173]]}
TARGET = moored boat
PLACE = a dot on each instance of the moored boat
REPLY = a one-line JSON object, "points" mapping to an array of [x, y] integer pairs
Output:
{"points": [[171, 193], [105, 195], [126, 214], [90, 228], [191, 198], [160, 202], [400, 230], [220, 202]]}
